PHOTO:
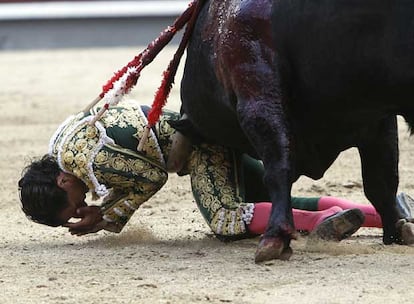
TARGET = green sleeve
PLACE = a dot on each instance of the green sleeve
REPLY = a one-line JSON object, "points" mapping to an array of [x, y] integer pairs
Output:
{"points": [[132, 178]]}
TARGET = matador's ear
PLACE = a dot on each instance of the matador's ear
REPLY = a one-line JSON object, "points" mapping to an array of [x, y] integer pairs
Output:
{"points": [[63, 180]]}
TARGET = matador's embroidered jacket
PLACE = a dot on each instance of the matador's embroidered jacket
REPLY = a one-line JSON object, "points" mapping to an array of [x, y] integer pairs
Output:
{"points": [[105, 158]]}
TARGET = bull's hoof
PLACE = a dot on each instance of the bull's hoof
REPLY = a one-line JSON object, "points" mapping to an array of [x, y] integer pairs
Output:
{"points": [[272, 248], [406, 230]]}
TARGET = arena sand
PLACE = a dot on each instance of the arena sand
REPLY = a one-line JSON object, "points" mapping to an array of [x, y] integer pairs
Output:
{"points": [[167, 254]]}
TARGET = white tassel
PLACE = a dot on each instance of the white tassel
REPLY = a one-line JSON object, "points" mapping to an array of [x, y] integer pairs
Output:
{"points": [[119, 89]]}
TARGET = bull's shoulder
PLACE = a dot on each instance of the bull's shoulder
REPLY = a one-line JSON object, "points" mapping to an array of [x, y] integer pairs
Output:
{"points": [[237, 17], [253, 11]]}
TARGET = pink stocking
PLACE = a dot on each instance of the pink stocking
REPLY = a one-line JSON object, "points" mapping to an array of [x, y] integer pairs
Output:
{"points": [[308, 220], [372, 218], [303, 219]]}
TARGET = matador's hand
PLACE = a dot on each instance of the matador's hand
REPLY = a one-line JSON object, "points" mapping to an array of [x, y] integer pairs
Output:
{"points": [[91, 221]]}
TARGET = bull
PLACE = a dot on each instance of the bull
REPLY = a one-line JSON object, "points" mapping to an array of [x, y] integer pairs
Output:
{"points": [[295, 83]]}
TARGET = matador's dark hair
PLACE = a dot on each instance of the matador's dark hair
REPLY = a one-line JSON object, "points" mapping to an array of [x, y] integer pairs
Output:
{"points": [[40, 195]]}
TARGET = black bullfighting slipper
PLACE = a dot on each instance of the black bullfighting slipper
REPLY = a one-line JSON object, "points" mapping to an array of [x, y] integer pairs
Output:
{"points": [[339, 226]]}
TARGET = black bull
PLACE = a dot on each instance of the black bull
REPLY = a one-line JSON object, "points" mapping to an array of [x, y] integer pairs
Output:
{"points": [[297, 82]]}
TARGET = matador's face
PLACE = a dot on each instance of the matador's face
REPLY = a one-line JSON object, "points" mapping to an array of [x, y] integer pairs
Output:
{"points": [[76, 194]]}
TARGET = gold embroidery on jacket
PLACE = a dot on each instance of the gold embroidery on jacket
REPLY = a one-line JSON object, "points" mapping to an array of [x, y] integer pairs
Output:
{"points": [[213, 180]]}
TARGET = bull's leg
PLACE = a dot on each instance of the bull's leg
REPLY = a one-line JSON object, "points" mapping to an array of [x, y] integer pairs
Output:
{"points": [[263, 120], [379, 160], [247, 64]]}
